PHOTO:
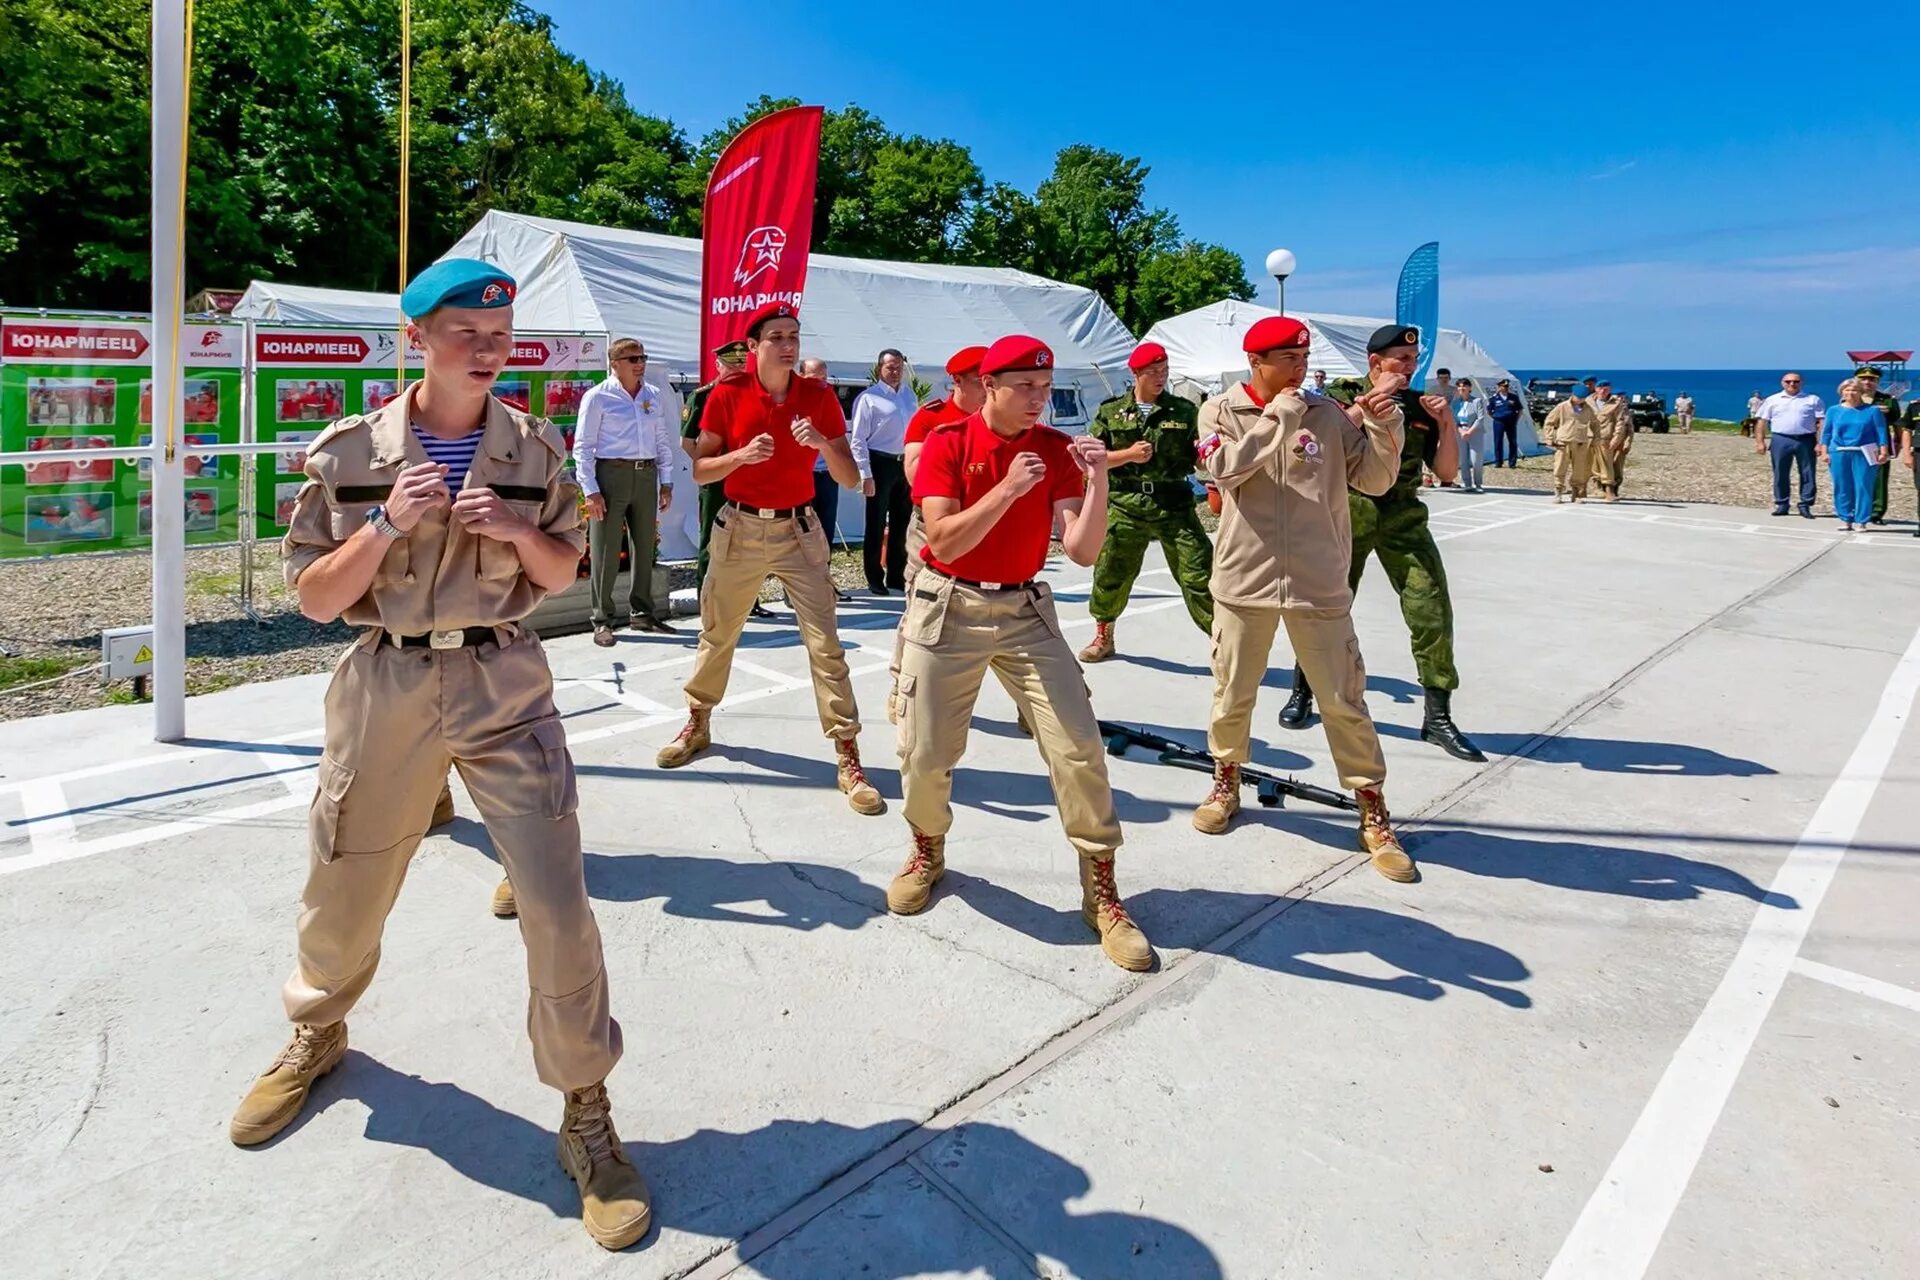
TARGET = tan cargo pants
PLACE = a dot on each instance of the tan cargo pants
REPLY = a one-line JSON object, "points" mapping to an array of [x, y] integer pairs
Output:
{"points": [[744, 550], [954, 635], [395, 719], [1572, 465], [1606, 471], [1328, 653]]}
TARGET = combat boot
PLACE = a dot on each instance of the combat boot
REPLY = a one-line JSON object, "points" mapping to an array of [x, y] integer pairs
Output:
{"points": [[853, 779], [1107, 916], [695, 736], [1299, 709], [912, 889], [614, 1202], [1377, 838], [442, 809], [1438, 728], [504, 905], [1216, 811], [277, 1096], [1100, 648]]}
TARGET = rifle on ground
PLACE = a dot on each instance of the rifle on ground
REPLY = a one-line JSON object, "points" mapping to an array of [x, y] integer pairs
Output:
{"points": [[1271, 788]]}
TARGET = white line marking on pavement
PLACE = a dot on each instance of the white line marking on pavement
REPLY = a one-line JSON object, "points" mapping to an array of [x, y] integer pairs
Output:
{"points": [[46, 815], [1620, 1229], [1859, 984], [614, 689]]}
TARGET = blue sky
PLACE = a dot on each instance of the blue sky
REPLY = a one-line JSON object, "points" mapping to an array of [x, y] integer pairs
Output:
{"points": [[1632, 186]]}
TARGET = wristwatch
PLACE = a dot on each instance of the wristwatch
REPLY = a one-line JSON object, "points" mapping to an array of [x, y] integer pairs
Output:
{"points": [[387, 528]]}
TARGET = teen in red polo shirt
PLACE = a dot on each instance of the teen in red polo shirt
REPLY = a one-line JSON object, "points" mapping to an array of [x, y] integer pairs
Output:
{"points": [[991, 489], [760, 432]]}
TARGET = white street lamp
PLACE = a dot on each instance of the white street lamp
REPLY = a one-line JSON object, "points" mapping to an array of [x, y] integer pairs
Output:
{"points": [[1280, 265]]}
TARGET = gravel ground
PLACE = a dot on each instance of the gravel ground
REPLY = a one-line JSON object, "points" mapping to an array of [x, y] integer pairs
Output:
{"points": [[54, 609]]}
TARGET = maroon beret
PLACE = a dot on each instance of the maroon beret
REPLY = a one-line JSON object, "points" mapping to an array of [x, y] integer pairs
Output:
{"points": [[771, 311], [1276, 331], [1145, 354], [966, 360], [1015, 352]]}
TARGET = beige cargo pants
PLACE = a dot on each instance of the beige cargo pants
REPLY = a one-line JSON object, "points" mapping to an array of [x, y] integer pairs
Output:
{"points": [[954, 635], [1572, 465], [395, 719], [1328, 653], [1606, 471]]}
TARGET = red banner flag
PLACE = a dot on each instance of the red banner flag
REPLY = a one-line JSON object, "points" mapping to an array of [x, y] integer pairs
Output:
{"points": [[758, 225]]}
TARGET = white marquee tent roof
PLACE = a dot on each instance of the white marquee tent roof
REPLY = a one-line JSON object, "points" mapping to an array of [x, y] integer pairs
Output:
{"points": [[1203, 349], [304, 304]]}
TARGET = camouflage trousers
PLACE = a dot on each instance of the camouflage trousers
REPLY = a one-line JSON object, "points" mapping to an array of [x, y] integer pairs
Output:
{"points": [[1189, 554], [1397, 533], [712, 498]]}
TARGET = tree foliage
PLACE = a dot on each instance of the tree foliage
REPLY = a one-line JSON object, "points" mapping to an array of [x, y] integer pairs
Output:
{"points": [[293, 160]]}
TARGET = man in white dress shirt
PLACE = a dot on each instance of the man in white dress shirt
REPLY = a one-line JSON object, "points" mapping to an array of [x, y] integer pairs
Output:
{"points": [[878, 434], [623, 457]]}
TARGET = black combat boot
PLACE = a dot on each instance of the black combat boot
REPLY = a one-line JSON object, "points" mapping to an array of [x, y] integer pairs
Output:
{"points": [[1439, 729], [1299, 708]]}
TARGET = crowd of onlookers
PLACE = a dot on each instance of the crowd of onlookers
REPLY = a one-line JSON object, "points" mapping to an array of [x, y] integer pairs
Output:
{"points": [[1860, 439]]}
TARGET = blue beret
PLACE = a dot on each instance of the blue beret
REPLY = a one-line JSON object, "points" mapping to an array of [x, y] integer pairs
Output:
{"points": [[458, 282]]}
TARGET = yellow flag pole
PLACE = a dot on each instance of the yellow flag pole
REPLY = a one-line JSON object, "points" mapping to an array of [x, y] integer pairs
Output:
{"points": [[406, 173]]}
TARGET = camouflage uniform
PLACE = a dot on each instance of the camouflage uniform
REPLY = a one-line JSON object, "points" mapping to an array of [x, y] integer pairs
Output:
{"points": [[1393, 526], [711, 497], [1152, 501], [1889, 409]]}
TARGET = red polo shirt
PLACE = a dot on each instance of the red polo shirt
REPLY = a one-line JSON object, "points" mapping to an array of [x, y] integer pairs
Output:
{"points": [[739, 409], [966, 460], [928, 417]]}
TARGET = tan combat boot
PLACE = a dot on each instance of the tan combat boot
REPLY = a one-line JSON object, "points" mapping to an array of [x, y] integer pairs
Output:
{"points": [[277, 1096], [1101, 647], [1107, 916], [442, 809], [912, 889], [1216, 811], [695, 736], [504, 905], [853, 780], [614, 1201], [1377, 838]]}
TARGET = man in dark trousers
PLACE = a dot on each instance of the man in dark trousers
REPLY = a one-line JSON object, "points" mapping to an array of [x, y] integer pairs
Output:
{"points": [[1504, 410]]}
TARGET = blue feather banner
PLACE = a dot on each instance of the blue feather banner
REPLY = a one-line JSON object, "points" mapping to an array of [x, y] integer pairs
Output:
{"points": [[1418, 303]]}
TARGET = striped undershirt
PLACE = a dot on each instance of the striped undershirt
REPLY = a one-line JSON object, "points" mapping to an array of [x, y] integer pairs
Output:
{"points": [[455, 455]]}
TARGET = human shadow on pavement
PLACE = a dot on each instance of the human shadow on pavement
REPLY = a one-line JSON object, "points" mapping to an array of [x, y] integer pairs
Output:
{"points": [[1610, 755], [794, 895], [717, 1183], [1165, 665], [1591, 868]]}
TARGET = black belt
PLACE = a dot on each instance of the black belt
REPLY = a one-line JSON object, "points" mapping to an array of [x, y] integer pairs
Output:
{"points": [[626, 462], [770, 513], [465, 638], [881, 453], [1148, 487], [982, 586]]}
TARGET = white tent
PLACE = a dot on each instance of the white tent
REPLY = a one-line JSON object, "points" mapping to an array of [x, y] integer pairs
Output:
{"points": [[1203, 349], [576, 278]]}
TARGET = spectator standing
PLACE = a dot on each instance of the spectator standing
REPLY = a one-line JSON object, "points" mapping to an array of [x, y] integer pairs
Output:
{"points": [[878, 435], [1787, 426], [1889, 406], [1442, 387], [621, 448], [1856, 440], [1754, 402], [1503, 412], [1319, 384], [1683, 410], [1908, 442], [1470, 411], [826, 490]]}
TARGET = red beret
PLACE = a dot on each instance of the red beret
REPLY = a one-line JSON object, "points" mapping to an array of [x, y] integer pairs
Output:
{"points": [[1276, 331], [1014, 352], [1145, 354], [771, 311], [966, 360]]}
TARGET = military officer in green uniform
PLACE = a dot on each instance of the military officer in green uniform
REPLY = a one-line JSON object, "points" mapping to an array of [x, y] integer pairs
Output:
{"points": [[1151, 437], [731, 356], [1393, 526], [1890, 409]]}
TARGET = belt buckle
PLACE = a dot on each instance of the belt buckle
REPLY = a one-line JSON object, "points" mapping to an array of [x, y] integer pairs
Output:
{"points": [[455, 639], [765, 513], [992, 586], [1146, 487]]}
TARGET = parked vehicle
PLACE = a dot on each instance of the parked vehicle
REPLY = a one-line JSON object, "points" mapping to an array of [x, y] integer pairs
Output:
{"points": [[1650, 413]]}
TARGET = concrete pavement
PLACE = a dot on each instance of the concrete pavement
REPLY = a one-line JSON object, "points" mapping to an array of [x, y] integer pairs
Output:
{"points": [[1653, 1009]]}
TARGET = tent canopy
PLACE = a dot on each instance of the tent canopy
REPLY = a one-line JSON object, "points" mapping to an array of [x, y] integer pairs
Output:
{"points": [[304, 304], [1203, 350]]}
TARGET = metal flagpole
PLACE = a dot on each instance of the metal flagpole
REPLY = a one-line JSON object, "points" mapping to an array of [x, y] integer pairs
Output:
{"points": [[169, 110]]}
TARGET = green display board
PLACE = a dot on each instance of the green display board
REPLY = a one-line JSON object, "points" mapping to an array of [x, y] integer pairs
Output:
{"points": [[78, 382], [306, 376]]}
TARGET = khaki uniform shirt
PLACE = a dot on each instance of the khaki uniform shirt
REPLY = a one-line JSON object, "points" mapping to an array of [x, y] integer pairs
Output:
{"points": [[1572, 422], [1286, 535], [1613, 420], [441, 575]]}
